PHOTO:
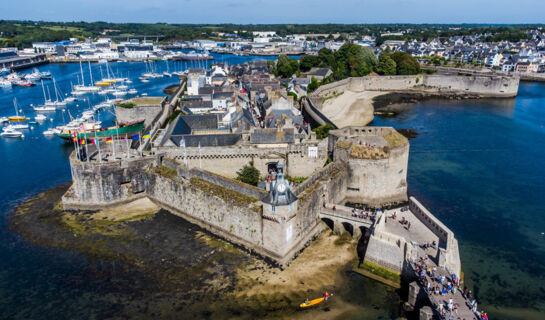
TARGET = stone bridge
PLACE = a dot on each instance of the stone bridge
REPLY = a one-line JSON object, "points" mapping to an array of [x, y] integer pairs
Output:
{"points": [[342, 219]]}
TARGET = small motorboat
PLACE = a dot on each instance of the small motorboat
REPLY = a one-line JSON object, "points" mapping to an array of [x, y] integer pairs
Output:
{"points": [[40, 117], [132, 91], [11, 133], [4, 119], [17, 126], [51, 132], [44, 109]]}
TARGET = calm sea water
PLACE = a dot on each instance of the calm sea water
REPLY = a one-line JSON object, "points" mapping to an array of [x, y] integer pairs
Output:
{"points": [[478, 165]]}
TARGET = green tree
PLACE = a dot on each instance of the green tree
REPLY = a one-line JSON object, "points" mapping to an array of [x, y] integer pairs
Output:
{"points": [[308, 62], [386, 65], [248, 174], [354, 61], [286, 67], [406, 64], [323, 131], [313, 85]]}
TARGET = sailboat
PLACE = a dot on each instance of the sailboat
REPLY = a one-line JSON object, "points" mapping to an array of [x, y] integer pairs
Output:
{"points": [[58, 98], [82, 87], [17, 117]]}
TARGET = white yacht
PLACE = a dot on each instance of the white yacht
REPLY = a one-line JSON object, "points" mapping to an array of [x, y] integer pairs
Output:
{"points": [[44, 109], [16, 126], [132, 91], [4, 119], [119, 93], [11, 133], [40, 117], [51, 132]]}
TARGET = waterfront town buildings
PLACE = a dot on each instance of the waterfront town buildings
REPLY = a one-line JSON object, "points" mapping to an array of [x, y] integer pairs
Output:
{"points": [[524, 56]]}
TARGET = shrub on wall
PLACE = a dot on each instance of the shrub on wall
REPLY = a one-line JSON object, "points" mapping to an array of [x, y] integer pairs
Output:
{"points": [[248, 174]]}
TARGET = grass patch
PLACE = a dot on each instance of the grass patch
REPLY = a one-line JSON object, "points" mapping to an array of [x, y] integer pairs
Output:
{"points": [[333, 95], [381, 271], [173, 116], [166, 172], [146, 101], [296, 179], [126, 105], [395, 139], [137, 217], [228, 195]]}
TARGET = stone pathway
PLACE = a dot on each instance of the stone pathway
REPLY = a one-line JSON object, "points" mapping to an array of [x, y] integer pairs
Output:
{"points": [[462, 312]]}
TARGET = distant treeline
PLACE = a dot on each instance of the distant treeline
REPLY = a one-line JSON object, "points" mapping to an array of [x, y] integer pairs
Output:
{"points": [[23, 33]]}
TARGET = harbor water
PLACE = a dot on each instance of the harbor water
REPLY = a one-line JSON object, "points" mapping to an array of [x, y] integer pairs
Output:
{"points": [[477, 165]]}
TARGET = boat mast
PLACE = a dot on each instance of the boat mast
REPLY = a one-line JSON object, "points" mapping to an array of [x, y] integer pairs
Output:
{"points": [[91, 73], [43, 90], [82, 79]]}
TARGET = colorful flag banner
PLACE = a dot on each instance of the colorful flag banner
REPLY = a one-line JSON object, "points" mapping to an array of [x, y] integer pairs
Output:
{"points": [[146, 136], [109, 140], [82, 142], [135, 137]]}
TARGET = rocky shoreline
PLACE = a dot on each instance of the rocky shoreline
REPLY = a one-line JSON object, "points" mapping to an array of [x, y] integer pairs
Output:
{"points": [[162, 266]]}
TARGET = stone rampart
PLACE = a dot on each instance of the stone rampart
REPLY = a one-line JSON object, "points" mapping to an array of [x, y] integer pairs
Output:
{"points": [[380, 178], [227, 208], [104, 183], [449, 256], [141, 112], [477, 85], [226, 161]]}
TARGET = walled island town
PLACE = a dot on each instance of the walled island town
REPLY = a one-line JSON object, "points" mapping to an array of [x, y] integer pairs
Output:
{"points": [[272, 171]]}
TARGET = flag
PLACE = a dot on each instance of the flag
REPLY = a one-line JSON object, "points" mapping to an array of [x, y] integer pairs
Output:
{"points": [[109, 140], [182, 143], [125, 138], [82, 142], [146, 136], [95, 141], [75, 139], [135, 137]]}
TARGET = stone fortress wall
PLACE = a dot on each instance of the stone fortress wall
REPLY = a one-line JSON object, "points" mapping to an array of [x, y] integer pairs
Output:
{"points": [[226, 161], [226, 207], [140, 112], [378, 177], [477, 85]]}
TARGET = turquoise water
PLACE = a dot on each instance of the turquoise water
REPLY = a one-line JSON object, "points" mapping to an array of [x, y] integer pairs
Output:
{"points": [[480, 167], [477, 165]]}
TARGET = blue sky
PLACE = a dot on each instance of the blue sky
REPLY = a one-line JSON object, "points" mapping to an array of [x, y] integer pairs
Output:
{"points": [[278, 11]]}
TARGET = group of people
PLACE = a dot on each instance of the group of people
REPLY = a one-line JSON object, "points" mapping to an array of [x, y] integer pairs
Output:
{"points": [[365, 214], [403, 221], [441, 285]]}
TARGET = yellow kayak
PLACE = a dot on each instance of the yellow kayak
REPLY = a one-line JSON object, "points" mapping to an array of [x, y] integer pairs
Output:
{"points": [[311, 303]]}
